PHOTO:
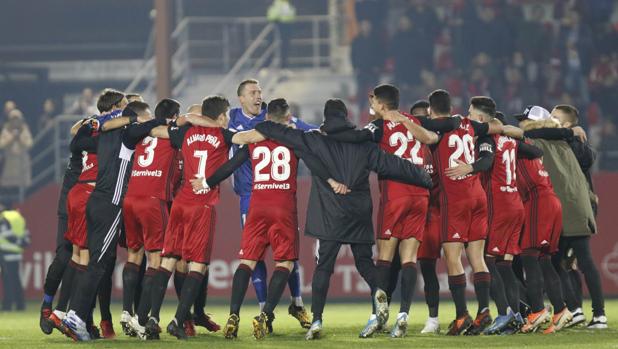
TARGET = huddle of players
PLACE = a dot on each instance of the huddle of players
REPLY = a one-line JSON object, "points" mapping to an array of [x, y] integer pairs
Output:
{"points": [[457, 214], [146, 179], [492, 197]]}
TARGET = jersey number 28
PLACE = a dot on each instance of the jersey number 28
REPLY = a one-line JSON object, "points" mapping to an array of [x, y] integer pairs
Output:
{"points": [[280, 168]]}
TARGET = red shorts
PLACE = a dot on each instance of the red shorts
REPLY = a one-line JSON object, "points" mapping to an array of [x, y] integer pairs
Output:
{"points": [[272, 225], [77, 199], [190, 232], [463, 220], [505, 223], [542, 223], [403, 218], [430, 247], [145, 220]]}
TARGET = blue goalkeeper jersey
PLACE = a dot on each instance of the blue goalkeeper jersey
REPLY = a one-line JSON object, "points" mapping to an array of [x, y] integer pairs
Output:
{"points": [[243, 176]]}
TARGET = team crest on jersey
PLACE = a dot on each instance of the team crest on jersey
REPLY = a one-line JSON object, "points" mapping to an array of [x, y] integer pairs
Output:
{"points": [[429, 168]]}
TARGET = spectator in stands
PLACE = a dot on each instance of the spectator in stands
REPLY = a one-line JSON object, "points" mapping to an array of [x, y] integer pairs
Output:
{"points": [[491, 35], [407, 51], [15, 141], [49, 112], [373, 11], [283, 14], [604, 82], [85, 104], [424, 18], [609, 147], [8, 107], [534, 37], [14, 237], [366, 61]]}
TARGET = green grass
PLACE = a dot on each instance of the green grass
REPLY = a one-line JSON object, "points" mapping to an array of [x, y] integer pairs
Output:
{"points": [[342, 324]]}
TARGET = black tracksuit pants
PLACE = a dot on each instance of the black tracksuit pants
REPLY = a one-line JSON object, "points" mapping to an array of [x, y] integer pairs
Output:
{"points": [[326, 257]]}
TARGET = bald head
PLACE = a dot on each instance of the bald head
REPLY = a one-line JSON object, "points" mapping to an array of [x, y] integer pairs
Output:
{"points": [[195, 109]]}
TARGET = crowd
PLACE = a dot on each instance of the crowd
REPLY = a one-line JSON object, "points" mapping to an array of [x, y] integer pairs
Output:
{"points": [[17, 135], [546, 52]]}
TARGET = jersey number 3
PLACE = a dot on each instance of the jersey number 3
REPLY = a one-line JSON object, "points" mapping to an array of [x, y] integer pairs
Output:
{"points": [[147, 158], [280, 168]]}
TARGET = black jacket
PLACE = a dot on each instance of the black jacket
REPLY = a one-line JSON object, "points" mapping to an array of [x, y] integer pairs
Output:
{"points": [[344, 218]]}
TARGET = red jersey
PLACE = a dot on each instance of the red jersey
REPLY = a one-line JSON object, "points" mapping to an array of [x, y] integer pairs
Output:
{"points": [[155, 169], [434, 193], [204, 150], [501, 180], [532, 178], [459, 145], [397, 140], [90, 167], [274, 172]]}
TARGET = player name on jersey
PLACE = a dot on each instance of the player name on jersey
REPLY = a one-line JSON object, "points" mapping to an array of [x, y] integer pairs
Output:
{"points": [[200, 137]]}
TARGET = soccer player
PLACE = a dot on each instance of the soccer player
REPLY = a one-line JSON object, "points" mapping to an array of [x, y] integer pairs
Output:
{"points": [[272, 218], [190, 231], [104, 208], [200, 318], [250, 113], [337, 220], [505, 212], [154, 176], [58, 269], [429, 250], [109, 104], [540, 236], [575, 236], [463, 212], [403, 208], [134, 97], [76, 200]]}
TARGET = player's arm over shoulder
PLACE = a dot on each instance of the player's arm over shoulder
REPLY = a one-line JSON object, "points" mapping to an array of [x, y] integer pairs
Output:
{"points": [[393, 167], [246, 137]]}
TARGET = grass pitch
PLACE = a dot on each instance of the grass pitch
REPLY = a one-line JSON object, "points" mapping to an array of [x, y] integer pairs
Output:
{"points": [[342, 323]]}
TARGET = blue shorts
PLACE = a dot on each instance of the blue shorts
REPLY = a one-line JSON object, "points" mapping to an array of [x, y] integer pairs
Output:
{"points": [[244, 209]]}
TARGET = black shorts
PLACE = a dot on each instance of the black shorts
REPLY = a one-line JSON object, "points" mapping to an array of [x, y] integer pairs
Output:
{"points": [[103, 221]]}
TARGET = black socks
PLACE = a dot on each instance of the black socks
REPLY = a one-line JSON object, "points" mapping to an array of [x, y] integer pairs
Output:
{"points": [[276, 286], [190, 289], [505, 268], [130, 275], [457, 285], [239, 287], [432, 285], [482, 282], [200, 301], [498, 292], [408, 284]]}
